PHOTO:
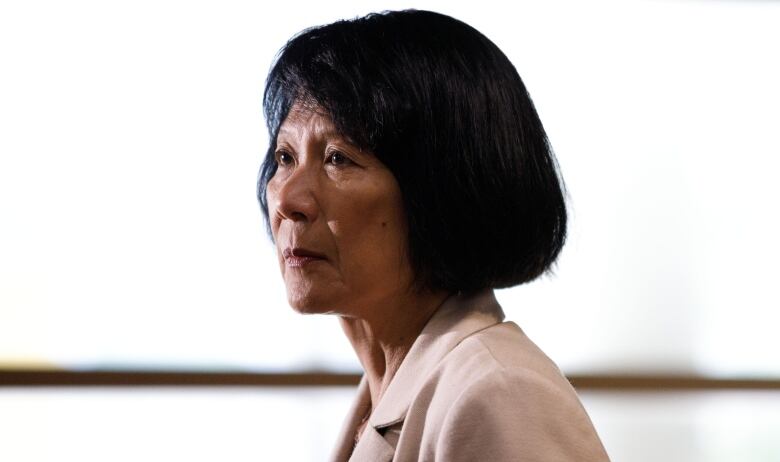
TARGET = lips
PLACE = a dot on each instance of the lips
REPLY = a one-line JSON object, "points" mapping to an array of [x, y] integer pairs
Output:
{"points": [[298, 256]]}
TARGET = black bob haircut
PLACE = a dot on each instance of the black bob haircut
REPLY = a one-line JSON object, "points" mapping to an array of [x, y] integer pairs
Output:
{"points": [[443, 108]]}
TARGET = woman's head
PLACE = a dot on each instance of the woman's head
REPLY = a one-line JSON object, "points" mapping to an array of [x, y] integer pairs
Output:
{"points": [[337, 216], [442, 109]]}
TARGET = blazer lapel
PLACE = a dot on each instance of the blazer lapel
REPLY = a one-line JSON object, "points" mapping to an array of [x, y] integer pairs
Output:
{"points": [[372, 447], [346, 439]]}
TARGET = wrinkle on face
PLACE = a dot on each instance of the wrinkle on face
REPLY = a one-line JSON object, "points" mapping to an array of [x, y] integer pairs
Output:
{"points": [[354, 215]]}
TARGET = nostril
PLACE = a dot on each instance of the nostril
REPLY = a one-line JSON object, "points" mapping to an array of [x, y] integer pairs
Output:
{"points": [[298, 216], [301, 209], [295, 196]]}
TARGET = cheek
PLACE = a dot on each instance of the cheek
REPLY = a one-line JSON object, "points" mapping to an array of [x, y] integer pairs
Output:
{"points": [[274, 221], [388, 215], [271, 201], [374, 232]]}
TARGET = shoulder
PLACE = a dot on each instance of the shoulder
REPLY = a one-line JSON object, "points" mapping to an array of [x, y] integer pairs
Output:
{"points": [[496, 396], [501, 356]]}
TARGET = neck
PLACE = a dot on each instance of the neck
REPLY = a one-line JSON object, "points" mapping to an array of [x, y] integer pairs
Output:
{"points": [[382, 338]]}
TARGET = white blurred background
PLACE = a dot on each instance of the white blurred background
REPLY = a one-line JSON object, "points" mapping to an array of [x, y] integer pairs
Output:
{"points": [[130, 235]]}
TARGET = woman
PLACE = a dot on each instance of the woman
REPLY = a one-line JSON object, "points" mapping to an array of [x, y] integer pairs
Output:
{"points": [[408, 176]]}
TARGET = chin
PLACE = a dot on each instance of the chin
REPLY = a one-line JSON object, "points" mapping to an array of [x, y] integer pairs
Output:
{"points": [[308, 296], [310, 304]]}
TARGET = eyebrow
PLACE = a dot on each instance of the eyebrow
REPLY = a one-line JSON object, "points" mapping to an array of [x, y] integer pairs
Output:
{"points": [[330, 133]]}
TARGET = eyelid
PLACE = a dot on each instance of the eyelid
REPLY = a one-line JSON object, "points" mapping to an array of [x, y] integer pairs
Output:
{"points": [[282, 151], [331, 151]]}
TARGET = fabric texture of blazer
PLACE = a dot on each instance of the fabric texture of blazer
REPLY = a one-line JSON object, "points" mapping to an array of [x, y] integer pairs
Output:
{"points": [[472, 388]]}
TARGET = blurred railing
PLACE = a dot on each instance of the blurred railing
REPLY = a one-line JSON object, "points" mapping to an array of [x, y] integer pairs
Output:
{"points": [[198, 378]]}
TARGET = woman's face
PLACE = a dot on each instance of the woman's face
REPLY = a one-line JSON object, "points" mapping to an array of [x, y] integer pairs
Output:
{"points": [[337, 219]]}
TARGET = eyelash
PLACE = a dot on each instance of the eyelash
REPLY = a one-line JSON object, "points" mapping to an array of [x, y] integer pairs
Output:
{"points": [[285, 158], [344, 159], [279, 154]]}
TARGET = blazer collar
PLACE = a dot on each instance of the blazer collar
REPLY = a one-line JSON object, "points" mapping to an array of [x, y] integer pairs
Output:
{"points": [[457, 318]]}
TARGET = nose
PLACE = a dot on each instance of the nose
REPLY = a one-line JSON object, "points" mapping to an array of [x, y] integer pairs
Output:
{"points": [[294, 196]]}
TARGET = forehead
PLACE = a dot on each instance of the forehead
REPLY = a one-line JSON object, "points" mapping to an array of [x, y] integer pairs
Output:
{"points": [[303, 121]]}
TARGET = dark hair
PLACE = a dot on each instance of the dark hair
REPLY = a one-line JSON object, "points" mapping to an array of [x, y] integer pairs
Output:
{"points": [[443, 108]]}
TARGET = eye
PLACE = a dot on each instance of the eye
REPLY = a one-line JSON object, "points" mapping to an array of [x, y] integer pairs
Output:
{"points": [[283, 158], [338, 159]]}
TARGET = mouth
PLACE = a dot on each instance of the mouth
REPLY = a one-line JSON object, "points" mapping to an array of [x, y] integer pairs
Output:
{"points": [[298, 256]]}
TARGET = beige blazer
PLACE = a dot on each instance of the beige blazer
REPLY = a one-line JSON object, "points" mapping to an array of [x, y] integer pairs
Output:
{"points": [[472, 388]]}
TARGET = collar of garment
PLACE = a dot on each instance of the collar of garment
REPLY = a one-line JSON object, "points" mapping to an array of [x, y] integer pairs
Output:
{"points": [[458, 317]]}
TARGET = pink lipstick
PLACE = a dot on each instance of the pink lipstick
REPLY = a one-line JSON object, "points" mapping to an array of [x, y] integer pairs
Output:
{"points": [[298, 257]]}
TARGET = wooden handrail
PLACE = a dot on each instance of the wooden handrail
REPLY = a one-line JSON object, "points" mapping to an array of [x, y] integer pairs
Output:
{"points": [[68, 378]]}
